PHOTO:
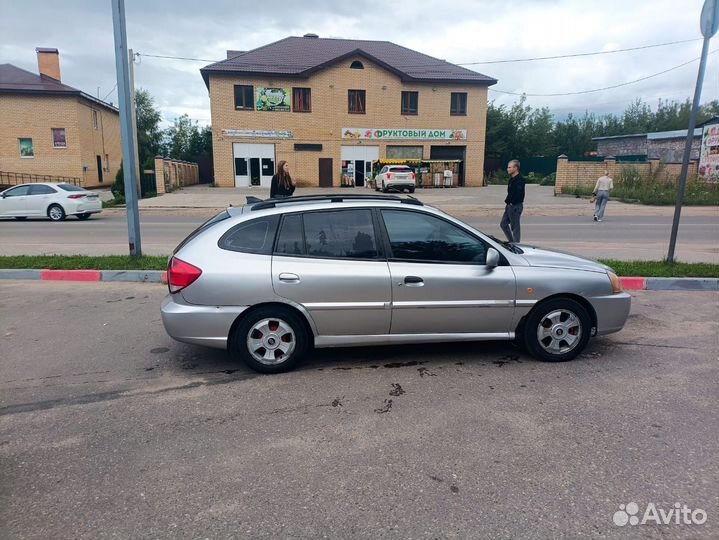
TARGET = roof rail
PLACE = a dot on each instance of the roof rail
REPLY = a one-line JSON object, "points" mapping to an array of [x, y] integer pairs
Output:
{"points": [[272, 203]]}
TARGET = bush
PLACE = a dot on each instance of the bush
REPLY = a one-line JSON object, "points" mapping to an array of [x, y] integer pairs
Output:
{"points": [[549, 180], [118, 186], [497, 178]]}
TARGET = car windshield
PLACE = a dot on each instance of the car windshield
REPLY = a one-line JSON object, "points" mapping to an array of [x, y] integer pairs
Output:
{"points": [[70, 187], [511, 247]]}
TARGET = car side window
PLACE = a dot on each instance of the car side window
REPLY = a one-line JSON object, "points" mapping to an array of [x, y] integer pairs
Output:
{"points": [[256, 236], [341, 234], [41, 190], [290, 240], [414, 236], [19, 191]]}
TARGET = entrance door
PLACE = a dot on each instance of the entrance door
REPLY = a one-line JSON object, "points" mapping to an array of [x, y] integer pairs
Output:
{"points": [[359, 173], [325, 172], [99, 168], [255, 171]]}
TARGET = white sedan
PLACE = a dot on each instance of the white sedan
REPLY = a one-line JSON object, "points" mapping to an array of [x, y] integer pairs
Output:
{"points": [[55, 201]]}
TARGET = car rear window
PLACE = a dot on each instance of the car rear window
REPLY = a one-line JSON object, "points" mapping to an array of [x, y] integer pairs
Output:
{"points": [[401, 170], [206, 225], [255, 236], [70, 187]]}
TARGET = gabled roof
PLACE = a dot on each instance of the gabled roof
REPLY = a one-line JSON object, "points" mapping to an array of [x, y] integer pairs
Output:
{"points": [[14, 80], [300, 57]]}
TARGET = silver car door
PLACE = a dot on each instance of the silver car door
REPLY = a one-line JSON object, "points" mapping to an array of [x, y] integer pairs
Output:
{"points": [[329, 263], [440, 283]]}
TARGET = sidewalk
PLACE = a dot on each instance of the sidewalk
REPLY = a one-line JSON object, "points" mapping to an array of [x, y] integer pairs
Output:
{"points": [[460, 202]]}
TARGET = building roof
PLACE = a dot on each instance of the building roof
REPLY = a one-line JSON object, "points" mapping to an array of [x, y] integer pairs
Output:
{"points": [[657, 135], [300, 57], [15, 80], [712, 120]]}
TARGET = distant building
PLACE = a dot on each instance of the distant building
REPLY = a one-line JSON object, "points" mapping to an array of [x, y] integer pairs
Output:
{"points": [[333, 108], [49, 128], [667, 146]]}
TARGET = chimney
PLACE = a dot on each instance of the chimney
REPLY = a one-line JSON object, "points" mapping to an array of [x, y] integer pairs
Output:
{"points": [[48, 62]]}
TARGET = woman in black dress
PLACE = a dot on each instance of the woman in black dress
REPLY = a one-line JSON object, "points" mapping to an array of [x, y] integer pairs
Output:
{"points": [[282, 184]]}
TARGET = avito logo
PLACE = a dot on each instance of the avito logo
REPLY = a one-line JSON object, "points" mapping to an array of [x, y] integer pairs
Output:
{"points": [[677, 515]]}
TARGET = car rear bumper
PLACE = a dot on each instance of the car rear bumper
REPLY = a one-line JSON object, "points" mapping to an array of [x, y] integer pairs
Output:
{"points": [[85, 207], [201, 325], [612, 312]]}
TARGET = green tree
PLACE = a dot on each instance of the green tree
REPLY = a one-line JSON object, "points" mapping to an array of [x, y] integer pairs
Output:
{"points": [[149, 135], [186, 141]]}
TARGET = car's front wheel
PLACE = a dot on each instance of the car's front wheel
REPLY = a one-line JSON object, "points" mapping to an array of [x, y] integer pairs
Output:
{"points": [[270, 340], [557, 330], [55, 212]]}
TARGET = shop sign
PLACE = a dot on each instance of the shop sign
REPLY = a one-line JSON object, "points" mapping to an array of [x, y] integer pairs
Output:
{"points": [[384, 134], [709, 154], [256, 134], [272, 99]]}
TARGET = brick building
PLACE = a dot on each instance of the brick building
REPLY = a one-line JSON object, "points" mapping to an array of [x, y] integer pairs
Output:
{"points": [[333, 107], [667, 146], [49, 128]]}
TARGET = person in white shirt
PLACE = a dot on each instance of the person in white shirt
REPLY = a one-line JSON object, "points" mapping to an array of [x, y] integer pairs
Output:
{"points": [[601, 191]]}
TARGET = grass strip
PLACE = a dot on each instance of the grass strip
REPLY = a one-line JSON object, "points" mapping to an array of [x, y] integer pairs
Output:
{"points": [[662, 269], [84, 262], [154, 262]]}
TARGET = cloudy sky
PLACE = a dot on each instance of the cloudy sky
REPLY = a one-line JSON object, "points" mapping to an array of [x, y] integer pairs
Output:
{"points": [[462, 31]]}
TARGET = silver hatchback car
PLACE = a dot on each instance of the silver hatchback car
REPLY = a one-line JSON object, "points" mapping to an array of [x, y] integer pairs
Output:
{"points": [[272, 279]]}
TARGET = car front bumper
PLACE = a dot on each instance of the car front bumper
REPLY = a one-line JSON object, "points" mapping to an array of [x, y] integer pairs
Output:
{"points": [[201, 325], [612, 312]]}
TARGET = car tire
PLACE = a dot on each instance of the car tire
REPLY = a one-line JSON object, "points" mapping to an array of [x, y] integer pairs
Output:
{"points": [[83, 217], [557, 330], [384, 188], [21, 218], [411, 190], [55, 212], [258, 339]]}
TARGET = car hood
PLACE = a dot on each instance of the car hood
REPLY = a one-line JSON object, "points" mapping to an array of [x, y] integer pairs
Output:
{"points": [[557, 259]]}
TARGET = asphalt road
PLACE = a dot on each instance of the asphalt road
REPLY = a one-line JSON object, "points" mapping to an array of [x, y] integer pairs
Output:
{"points": [[108, 429], [620, 237]]}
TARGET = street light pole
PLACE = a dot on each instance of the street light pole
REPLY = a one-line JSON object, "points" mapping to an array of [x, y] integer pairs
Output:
{"points": [[708, 23], [129, 157]]}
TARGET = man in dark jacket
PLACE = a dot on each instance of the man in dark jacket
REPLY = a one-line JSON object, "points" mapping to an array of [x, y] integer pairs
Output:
{"points": [[514, 203]]}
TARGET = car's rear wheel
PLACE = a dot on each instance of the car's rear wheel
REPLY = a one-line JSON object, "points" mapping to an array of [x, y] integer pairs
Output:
{"points": [[557, 330], [55, 212], [411, 190], [270, 340], [84, 216]]}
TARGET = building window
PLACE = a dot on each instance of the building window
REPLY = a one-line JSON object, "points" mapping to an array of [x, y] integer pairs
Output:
{"points": [[244, 99], [409, 102], [356, 65], [26, 149], [404, 152], [458, 104], [94, 118], [357, 101], [302, 100], [107, 162], [58, 138]]}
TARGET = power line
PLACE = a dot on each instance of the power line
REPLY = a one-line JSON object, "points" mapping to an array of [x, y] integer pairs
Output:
{"points": [[575, 55], [600, 89], [110, 92], [176, 57]]}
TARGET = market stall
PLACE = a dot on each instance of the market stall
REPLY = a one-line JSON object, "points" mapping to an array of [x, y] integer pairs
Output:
{"points": [[431, 173]]}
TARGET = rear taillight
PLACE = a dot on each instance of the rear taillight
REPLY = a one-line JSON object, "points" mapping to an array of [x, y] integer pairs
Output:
{"points": [[414, 176], [389, 175], [181, 274], [76, 196]]}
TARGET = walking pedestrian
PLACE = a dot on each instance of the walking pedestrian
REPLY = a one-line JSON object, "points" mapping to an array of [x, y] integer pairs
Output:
{"points": [[514, 203], [601, 191], [282, 184]]}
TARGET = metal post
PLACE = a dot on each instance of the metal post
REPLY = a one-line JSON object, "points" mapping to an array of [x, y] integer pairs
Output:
{"points": [[709, 23], [128, 135], [134, 121]]}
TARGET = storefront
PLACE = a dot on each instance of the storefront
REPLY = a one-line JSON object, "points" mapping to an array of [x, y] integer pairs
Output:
{"points": [[254, 164], [430, 173], [357, 163]]}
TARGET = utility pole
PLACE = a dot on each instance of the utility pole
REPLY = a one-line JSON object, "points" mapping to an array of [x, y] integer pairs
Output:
{"points": [[709, 24], [134, 122], [129, 157]]}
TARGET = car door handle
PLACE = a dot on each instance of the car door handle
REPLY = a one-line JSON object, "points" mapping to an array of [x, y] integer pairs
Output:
{"points": [[413, 281], [289, 278]]}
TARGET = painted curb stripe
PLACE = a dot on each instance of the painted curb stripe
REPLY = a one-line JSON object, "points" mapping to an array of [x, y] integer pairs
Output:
{"points": [[138, 276], [634, 283], [20, 274], [71, 275], [682, 284], [164, 278]]}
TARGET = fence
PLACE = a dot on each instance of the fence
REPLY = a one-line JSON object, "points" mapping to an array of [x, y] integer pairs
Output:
{"points": [[12, 179], [573, 174], [171, 174]]}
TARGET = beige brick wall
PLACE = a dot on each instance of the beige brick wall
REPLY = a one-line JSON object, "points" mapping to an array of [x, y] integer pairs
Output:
{"points": [[329, 115], [27, 116], [105, 139]]}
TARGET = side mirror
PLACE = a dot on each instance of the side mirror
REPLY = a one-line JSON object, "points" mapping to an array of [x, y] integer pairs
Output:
{"points": [[492, 258]]}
